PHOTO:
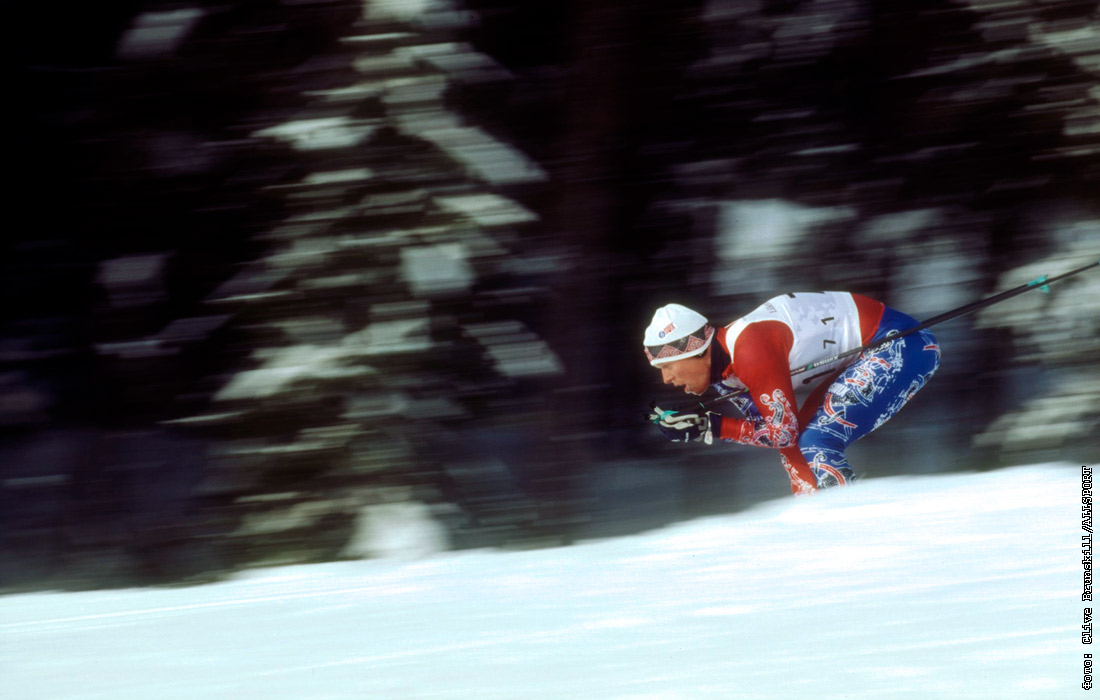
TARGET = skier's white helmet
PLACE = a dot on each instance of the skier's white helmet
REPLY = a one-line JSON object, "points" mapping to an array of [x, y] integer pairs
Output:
{"points": [[676, 332]]}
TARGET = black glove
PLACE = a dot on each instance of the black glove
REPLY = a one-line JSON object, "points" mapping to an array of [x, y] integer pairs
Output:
{"points": [[686, 426]]}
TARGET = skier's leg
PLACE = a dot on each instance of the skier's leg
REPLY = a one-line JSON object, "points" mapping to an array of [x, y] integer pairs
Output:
{"points": [[865, 395], [798, 470], [814, 400]]}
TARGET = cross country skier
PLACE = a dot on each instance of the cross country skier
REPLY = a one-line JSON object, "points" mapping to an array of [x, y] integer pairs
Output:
{"points": [[756, 355]]}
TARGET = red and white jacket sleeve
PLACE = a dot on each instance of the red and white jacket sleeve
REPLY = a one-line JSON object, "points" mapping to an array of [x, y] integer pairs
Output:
{"points": [[760, 360]]}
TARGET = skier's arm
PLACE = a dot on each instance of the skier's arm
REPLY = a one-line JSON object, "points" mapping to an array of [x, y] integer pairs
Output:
{"points": [[761, 362]]}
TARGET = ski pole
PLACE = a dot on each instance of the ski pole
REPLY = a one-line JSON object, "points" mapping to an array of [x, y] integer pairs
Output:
{"points": [[1041, 283]]}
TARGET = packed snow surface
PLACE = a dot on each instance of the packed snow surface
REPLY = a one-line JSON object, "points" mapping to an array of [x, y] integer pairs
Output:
{"points": [[960, 586]]}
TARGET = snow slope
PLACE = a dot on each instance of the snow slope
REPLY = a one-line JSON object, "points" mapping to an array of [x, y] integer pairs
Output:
{"points": [[962, 586]]}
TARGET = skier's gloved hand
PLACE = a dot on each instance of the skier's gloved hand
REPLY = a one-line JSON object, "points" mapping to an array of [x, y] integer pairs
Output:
{"points": [[686, 426]]}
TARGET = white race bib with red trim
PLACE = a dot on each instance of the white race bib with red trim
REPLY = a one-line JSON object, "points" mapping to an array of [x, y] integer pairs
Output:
{"points": [[823, 324]]}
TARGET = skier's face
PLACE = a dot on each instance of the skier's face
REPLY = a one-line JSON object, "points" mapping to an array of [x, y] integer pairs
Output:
{"points": [[692, 374]]}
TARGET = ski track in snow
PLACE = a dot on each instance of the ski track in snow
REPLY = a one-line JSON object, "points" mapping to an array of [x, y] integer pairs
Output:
{"points": [[960, 586]]}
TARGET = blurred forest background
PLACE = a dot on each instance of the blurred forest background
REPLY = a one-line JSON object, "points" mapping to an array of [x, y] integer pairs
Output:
{"points": [[299, 280]]}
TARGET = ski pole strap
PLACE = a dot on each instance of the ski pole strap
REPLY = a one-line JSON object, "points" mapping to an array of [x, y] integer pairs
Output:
{"points": [[1045, 288]]}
